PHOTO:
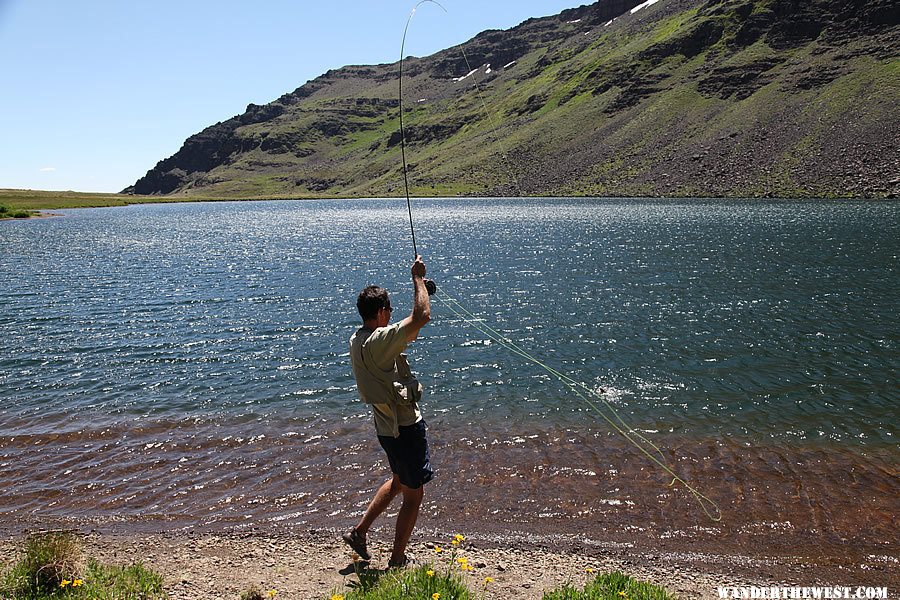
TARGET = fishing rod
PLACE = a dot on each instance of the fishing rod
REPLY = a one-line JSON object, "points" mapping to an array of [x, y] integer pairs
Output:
{"points": [[430, 285]]}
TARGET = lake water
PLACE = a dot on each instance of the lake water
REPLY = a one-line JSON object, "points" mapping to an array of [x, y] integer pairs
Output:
{"points": [[185, 365]]}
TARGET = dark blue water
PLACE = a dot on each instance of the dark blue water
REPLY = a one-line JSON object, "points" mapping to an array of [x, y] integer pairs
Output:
{"points": [[188, 362]]}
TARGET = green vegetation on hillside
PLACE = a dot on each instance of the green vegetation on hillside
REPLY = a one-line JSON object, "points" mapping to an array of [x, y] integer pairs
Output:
{"points": [[696, 98]]}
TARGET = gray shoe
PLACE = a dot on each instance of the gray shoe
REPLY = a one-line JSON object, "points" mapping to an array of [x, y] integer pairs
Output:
{"points": [[357, 542]]}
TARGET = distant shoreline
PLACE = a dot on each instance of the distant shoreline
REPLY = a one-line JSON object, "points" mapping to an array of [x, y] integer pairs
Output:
{"points": [[42, 200], [36, 215]]}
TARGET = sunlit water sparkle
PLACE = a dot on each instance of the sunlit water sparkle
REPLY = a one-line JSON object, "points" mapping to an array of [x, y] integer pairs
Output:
{"points": [[186, 364]]}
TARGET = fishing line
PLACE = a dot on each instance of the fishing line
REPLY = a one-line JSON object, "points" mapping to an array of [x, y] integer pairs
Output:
{"points": [[709, 507], [506, 342], [586, 394]]}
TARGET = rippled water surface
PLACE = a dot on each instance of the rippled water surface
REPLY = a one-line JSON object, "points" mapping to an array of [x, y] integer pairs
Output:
{"points": [[186, 364]]}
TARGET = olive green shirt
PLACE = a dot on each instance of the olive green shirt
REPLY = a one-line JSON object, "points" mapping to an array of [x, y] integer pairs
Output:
{"points": [[392, 392]]}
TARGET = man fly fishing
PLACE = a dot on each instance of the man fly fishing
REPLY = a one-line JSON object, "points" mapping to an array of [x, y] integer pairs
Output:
{"points": [[385, 382]]}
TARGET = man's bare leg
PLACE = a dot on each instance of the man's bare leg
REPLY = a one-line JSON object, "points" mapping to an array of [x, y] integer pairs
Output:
{"points": [[383, 498], [406, 521]]}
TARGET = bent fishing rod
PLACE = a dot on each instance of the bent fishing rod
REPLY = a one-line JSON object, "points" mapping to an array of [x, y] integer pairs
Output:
{"points": [[430, 285]]}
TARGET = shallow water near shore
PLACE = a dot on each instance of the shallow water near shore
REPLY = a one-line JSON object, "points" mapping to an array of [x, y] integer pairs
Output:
{"points": [[185, 365]]}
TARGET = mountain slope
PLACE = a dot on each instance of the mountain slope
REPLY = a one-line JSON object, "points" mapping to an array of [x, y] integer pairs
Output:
{"points": [[668, 98]]}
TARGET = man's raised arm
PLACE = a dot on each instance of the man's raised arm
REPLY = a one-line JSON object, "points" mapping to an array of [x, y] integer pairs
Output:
{"points": [[421, 310]]}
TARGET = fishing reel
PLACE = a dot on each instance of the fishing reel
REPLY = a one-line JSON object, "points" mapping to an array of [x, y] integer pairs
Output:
{"points": [[431, 286]]}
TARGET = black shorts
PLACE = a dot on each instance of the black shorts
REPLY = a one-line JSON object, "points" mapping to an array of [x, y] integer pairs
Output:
{"points": [[408, 455]]}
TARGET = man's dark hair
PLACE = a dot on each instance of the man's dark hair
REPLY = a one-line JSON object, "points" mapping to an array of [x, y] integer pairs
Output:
{"points": [[371, 300]]}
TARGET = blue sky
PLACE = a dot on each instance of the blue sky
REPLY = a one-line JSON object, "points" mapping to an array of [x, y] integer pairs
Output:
{"points": [[96, 92]]}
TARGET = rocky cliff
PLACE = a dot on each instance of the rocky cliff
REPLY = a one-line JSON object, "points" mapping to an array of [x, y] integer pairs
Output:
{"points": [[662, 98]]}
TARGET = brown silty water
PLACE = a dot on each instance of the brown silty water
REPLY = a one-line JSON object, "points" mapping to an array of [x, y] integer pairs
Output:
{"points": [[585, 483]]}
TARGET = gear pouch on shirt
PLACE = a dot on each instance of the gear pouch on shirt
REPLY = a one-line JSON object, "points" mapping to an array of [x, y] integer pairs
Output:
{"points": [[406, 385]]}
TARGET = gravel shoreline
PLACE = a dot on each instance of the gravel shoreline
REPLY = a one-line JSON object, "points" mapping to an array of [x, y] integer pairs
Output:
{"points": [[313, 564]]}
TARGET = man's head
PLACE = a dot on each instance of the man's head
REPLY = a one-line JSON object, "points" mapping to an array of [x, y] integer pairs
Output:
{"points": [[374, 303]]}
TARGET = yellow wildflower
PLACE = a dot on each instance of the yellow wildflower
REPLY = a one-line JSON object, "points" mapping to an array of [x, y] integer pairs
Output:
{"points": [[623, 594], [430, 573], [489, 580], [64, 583], [337, 597], [272, 593], [454, 543], [438, 549], [77, 582], [435, 596], [459, 538], [589, 570]]}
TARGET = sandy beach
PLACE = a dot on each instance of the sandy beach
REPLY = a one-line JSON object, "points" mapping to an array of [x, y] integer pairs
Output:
{"points": [[313, 564]]}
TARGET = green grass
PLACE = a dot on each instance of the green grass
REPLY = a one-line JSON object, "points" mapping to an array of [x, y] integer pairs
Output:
{"points": [[407, 583], [34, 200], [43, 200], [52, 566], [47, 561], [668, 27], [611, 586], [14, 213], [426, 581]]}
